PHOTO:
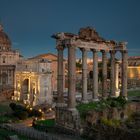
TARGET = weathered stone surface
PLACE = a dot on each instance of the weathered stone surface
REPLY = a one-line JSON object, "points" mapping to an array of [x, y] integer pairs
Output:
{"points": [[87, 39], [67, 119], [89, 33]]}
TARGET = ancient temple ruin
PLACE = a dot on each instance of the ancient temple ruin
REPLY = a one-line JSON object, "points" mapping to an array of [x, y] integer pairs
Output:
{"points": [[88, 40]]}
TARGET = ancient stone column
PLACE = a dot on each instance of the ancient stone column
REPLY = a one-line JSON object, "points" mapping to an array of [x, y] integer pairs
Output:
{"points": [[60, 73], [112, 74], [117, 78], [104, 74], [84, 75], [95, 75], [124, 73], [71, 77]]}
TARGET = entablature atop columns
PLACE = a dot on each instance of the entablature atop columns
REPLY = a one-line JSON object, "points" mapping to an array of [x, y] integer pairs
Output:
{"points": [[83, 44], [121, 46], [87, 38]]}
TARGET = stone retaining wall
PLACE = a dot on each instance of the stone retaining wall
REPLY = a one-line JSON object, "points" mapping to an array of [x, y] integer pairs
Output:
{"points": [[93, 116]]}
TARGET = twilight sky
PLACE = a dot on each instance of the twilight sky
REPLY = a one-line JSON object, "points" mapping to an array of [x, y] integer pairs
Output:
{"points": [[30, 23]]}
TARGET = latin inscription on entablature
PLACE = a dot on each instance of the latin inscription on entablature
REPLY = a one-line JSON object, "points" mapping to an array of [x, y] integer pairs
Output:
{"points": [[82, 44], [91, 45]]}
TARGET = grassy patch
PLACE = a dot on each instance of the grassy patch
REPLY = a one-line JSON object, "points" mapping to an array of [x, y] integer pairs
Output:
{"points": [[48, 123], [133, 93], [45, 125]]}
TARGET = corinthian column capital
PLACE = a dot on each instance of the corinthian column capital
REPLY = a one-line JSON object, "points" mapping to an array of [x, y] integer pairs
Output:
{"points": [[59, 47]]}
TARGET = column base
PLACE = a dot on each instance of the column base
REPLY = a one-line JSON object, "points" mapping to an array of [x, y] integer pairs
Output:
{"points": [[61, 105], [113, 96], [126, 98], [105, 97], [85, 101], [95, 100], [117, 93], [72, 109]]}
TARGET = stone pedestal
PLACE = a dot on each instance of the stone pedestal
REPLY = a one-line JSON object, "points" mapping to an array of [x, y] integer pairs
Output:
{"points": [[67, 120]]}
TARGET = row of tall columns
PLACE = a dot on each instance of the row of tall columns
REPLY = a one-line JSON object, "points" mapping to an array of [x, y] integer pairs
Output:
{"points": [[72, 75]]}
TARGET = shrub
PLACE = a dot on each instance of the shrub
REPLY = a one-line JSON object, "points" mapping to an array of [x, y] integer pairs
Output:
{"points": [[20, 107], [111, 122], [22, 115], [12, 106], [35, 113], [15, 107]]}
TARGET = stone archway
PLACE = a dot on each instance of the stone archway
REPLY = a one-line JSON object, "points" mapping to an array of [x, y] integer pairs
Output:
{"points": [[25, 87]]}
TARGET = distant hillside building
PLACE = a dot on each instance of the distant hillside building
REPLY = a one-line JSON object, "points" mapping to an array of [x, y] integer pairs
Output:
{"points": [[134, 72], [8, 61]]}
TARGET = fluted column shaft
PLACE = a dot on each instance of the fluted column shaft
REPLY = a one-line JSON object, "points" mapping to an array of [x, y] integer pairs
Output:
{"points": [[71, 77], [84, 75], [124, 73], [60, 75], [112, 74], [95, 75], [104, 74]]}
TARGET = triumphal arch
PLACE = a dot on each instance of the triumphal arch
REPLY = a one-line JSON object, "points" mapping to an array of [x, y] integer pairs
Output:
{"points": [[86, 40]]}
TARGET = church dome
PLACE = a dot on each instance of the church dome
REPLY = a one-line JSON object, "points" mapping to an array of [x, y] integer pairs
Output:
{"points": [[5, 43]]}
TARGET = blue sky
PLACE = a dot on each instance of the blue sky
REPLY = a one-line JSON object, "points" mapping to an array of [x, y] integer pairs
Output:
{"points": [[30, 23]]}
